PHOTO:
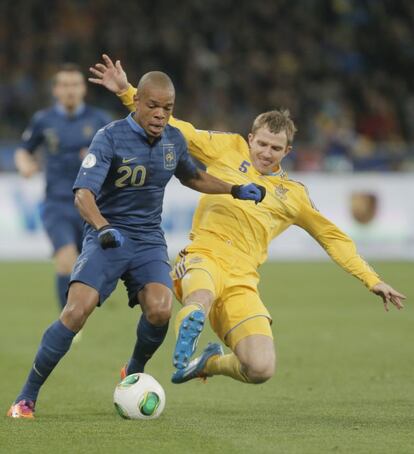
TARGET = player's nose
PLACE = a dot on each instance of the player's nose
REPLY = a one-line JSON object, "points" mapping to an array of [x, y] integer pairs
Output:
{"points": [[159, 114], [267, 153]]}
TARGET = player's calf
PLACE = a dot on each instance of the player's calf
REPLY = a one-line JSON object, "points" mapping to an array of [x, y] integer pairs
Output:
{"points": [[156, 302]]}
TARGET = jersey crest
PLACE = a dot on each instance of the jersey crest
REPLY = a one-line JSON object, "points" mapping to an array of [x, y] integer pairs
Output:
{"points": [[52, 140], [280, 192], [170, 160], [88, 131]]}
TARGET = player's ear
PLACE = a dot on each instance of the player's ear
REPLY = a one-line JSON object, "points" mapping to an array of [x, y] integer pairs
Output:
{"points": [[54, 88], [250, 138], [288, 150], [84, 88], [136, 100]]}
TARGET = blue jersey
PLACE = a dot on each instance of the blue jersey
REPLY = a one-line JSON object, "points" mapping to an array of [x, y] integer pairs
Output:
{"points": [[128, 176], [63, 136]]}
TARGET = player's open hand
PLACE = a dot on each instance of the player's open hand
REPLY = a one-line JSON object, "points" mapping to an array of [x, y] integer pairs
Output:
{"points": [[109, 75], [388, 295]]}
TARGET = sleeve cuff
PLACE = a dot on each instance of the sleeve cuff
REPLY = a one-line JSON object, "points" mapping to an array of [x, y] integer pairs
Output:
{"points": [[371, 281], [127, 96], [94, 190]]}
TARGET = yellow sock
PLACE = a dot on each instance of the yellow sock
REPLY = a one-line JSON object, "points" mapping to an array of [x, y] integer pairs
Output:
{"points": [[182, 314], [227, 365]]}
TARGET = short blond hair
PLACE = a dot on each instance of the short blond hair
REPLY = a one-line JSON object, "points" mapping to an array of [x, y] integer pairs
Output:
{"points": [[276, 121]]}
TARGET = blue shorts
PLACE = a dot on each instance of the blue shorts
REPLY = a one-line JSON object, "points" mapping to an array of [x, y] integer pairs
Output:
{"points": [[136, 263], [62, 223]]}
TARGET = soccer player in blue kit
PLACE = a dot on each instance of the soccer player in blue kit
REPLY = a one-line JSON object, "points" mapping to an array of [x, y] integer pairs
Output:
{"points": [[119, 192], [65, 130]]}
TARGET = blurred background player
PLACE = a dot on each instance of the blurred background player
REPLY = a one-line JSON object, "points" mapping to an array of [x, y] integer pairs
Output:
{"points": [[119, 193], [216, 275], [64, 131]]}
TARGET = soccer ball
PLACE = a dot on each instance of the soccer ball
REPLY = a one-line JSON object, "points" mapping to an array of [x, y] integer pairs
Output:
{"points": [[139, 396]]}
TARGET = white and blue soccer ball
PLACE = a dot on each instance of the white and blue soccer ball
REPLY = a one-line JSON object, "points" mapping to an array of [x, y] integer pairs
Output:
{"points": [[139, 396]]}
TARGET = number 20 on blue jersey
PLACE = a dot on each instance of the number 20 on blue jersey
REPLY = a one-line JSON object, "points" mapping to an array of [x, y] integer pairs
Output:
{"points": [[131, 177]]}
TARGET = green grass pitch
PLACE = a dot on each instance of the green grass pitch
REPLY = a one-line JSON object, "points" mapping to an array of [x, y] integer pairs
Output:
{"points": [[345, 379]]}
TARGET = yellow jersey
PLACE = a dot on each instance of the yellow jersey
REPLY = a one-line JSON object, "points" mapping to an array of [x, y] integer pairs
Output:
{"points": [[249, 227]]}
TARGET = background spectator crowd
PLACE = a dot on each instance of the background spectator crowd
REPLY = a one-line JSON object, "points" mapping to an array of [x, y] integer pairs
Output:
{"points": [[344, 68]]}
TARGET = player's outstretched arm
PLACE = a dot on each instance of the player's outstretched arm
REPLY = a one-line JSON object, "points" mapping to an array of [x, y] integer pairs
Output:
{"points": [[208, 184], [25, 163], [342, 250], [109, 75], [388, 295]]}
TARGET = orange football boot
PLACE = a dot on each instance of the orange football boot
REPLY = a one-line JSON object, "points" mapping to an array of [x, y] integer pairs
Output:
{"points": [[22, 409], [124, 372]]}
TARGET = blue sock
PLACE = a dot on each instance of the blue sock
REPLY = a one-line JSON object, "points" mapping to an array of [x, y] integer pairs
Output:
{"points": [[55, 343], [62, 284], [149, 338]]}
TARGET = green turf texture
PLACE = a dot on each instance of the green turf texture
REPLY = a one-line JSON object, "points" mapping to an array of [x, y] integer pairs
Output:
{"points": [[345, 379]]}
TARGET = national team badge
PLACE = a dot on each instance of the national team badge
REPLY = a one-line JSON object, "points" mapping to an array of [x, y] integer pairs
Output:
{"points": [[52, 140], [280, 192], [88, 131], [169, 157]]}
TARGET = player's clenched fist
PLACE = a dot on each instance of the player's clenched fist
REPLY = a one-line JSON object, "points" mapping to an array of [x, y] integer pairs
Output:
{"points": [[250, 191], [109, 237]]}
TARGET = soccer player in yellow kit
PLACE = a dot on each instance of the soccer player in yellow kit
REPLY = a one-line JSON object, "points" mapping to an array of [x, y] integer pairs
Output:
{"points": [[216, 275]]}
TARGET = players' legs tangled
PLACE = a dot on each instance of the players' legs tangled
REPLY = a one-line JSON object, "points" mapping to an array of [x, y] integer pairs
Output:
{"points": [[252, 361], [156, 303], [236, 314]]}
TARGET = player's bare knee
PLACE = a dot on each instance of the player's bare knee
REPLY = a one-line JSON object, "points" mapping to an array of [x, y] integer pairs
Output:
{"points": [[260, 368], [158, 310], [82, 300], [74, 316], [259, 372]]}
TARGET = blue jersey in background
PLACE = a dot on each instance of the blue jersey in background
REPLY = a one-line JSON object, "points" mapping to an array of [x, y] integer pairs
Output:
{"points": [[62, 136]]}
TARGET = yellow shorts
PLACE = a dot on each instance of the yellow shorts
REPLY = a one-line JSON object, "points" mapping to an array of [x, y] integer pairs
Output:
{"points": [[237, 311]]}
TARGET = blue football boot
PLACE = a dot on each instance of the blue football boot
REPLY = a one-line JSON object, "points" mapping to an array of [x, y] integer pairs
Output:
{"points": [[197, 365], [188, 334]]}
